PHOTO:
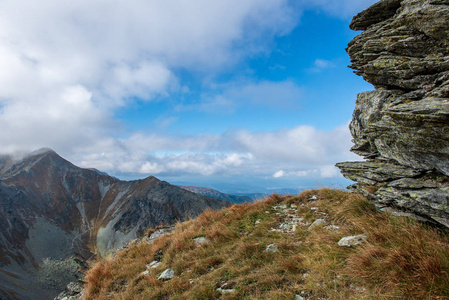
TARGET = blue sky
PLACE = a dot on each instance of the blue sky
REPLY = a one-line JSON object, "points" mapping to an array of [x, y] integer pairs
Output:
{"points": [[241, 96]]}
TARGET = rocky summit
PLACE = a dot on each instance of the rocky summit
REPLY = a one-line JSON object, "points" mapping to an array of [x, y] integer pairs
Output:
{"points": [[402, 127], [54, 216]]}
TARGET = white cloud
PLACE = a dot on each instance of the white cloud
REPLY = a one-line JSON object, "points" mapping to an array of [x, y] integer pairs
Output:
{"points": [[282, 173], [303, 144], [150, 168], [329, 171], [66, 66], [279, 174], [143, 81], [298, 152], [320, 65]]}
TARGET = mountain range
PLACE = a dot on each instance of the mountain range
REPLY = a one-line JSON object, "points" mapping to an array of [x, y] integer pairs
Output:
{"points": [[214, 194], [54, 216]]}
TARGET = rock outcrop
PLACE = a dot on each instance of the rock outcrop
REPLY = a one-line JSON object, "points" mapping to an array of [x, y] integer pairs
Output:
{"points": [[402, 127], [55, 215]]}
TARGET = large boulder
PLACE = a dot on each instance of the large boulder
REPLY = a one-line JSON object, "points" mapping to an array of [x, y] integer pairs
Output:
{"points": [[402, 128]]}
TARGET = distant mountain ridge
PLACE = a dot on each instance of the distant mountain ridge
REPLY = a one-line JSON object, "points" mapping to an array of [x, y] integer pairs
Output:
{"points": [[211, 193], [52, 212]]}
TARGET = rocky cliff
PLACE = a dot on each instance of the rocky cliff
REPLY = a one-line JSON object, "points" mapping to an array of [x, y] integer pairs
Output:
{"points": [[402, 127], [54, 216]]}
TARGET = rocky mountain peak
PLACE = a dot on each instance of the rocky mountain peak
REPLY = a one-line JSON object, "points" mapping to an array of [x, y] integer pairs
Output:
{"points": [[55, 215], [42, 160], [402, 127]]}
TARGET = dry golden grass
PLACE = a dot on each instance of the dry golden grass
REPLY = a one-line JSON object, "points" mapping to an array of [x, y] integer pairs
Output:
{"points": [[401, 258], [97, 276]]}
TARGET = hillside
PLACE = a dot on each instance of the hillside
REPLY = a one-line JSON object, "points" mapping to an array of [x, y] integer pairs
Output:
{"points": [[211, 193], [54, 216], [289, 247]]}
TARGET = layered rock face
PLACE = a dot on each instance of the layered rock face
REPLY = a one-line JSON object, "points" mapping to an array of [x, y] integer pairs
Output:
{"points": [[402, 128]]}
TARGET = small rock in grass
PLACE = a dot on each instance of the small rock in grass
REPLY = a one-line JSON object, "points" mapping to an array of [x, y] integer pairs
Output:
{"points": [[316, 223], [146, 272], [332, 227], [226, 291], [199, 241], [298, 297], [272, 248], [353, 240], [161, 232], [357, 289], [154, 264], [167, 275], [285, 226]]}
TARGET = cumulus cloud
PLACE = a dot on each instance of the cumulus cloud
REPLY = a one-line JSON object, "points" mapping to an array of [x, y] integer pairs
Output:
{"points": [[282, 173], [296, 152], [67, 66], [303, 144]]}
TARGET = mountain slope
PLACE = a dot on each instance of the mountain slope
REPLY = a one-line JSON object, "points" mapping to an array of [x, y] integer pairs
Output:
{"points": [[321, 244], [52, 212], [211, 193]]}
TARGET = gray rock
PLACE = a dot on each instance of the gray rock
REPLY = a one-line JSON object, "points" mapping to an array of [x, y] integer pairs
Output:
{"points": [[154, 264], [402, 127], [380, 11], [272, 248], [317, 222], [332, 227], [199, 241], [73, 291], [226, 291], [298, 297], [286, 226], [161, 232], [222, 289], [351, 241], [167, 275]]}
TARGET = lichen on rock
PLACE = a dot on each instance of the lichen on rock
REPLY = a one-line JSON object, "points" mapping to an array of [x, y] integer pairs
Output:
{"points": [[402, 127]]}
